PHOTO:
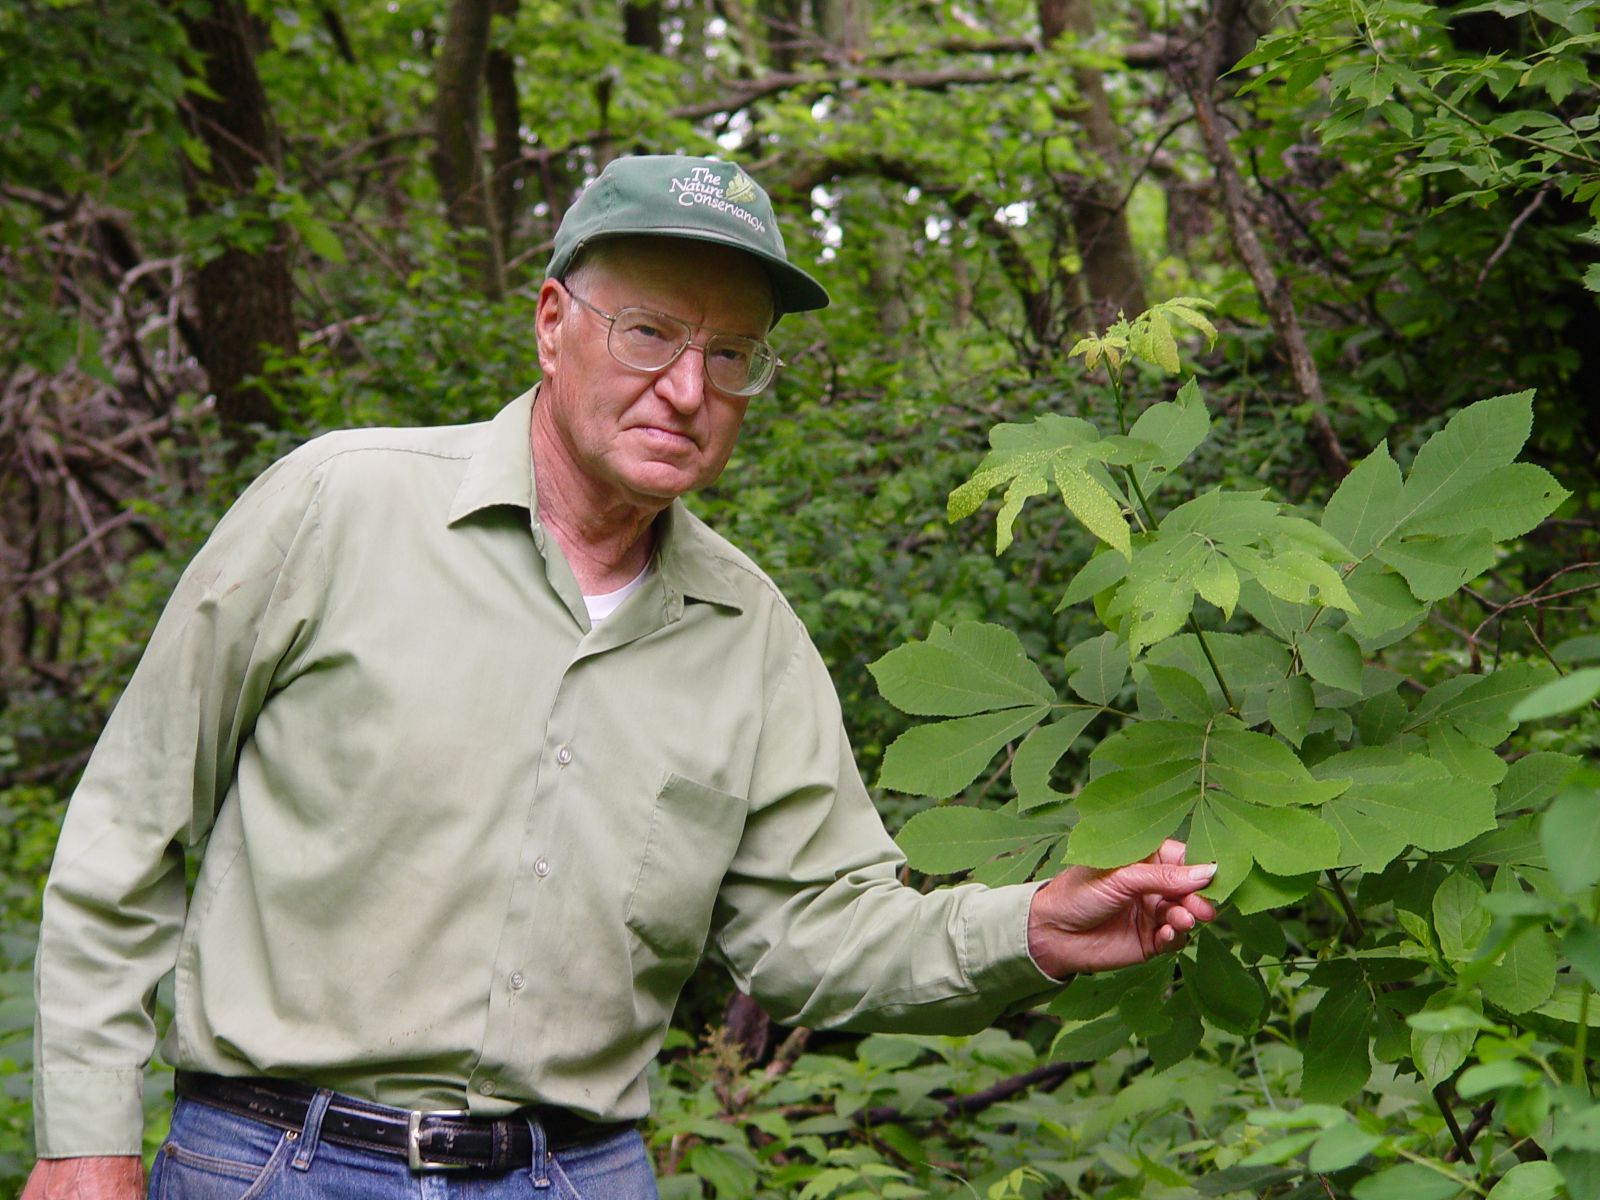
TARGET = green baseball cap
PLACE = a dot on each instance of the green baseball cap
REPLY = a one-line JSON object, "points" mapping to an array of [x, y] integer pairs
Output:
{"points": [[702, 199]]}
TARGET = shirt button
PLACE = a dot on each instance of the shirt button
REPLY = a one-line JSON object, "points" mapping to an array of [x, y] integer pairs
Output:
{"points": [[486, 1087], [541, 868], [564, 755], [517, 980]]}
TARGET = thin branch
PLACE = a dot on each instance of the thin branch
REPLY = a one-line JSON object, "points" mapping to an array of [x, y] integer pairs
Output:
{"points": [[1511, 232]]}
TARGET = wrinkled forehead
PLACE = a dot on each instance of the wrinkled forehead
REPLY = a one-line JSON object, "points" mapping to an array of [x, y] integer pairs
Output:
{"points": [[717, 286]]}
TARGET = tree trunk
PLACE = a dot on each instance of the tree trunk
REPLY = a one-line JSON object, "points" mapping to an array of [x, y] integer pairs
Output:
{"points": [[500, 76], [243, 296], [785, 25], [839, 25], [1099, 216], [459, 76], [1197, 72], [641, 24]]}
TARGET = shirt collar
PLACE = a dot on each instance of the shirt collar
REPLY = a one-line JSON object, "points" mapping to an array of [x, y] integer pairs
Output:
{"points": [[500, 472]]}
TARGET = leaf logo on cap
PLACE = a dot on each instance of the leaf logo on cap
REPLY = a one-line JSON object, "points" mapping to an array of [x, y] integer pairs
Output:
{"points": [[741, 188]]}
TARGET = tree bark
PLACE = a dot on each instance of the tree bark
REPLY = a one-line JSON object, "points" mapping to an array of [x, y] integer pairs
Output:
{"points": [[1197, 74], [243, 295], [1099, 212], [785, 25], [459, 78], [840, 26], [641, 24], [500, 77]]}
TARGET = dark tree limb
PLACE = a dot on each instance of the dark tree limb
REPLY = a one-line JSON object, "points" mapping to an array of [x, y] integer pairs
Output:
{"points": [[1197, 73], [500, 78], [243, 296], [459, 79], [1050, 1075]]}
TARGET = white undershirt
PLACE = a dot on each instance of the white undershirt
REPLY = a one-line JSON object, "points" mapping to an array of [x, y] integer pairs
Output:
{"points": [[603, 605]]}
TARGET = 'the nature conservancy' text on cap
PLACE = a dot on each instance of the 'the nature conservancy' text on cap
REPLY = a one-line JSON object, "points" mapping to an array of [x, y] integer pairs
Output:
{"points": [[702, 199]]}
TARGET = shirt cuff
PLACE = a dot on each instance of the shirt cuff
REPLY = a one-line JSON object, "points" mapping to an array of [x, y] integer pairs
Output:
{"points": [[80, 1114], [995, 947]]}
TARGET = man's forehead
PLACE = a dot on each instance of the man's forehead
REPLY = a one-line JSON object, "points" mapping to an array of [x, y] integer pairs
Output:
{"points": [[689, 279]]}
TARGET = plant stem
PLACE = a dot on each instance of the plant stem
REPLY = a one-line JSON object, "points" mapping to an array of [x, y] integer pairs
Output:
{"points": [[1357, 929], [1441, 1097], [1150, 523], [1580, 1039]]}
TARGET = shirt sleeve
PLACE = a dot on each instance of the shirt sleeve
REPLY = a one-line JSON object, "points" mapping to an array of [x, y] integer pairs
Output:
{"points": [[813, 920], [114, 903]]}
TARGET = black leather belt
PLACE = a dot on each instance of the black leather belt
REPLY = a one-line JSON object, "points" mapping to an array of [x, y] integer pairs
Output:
{"points": [[428, 1141]]}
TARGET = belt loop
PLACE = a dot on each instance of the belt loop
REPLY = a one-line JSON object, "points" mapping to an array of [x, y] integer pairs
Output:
{"points": [[537, 1169], [311, 1134]]}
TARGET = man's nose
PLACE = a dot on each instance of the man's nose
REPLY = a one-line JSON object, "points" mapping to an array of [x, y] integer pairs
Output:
{"points": [[683, 383]]}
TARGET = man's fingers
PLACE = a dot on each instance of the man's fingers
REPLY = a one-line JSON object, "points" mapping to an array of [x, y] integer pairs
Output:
{"points": [[1164, 879]]}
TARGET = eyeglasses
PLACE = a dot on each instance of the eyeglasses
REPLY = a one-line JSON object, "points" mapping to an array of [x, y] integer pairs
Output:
{"points": [[646, 340]]}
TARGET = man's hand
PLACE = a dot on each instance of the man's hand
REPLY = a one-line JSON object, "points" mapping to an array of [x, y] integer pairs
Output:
{"points": [[119, 1177], [1090, 920]]}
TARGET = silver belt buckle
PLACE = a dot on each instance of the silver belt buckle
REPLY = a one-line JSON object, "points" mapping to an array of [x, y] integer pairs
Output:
{"points": [[414, 1157]]}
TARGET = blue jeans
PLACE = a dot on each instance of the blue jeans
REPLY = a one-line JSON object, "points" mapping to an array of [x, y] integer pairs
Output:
{"points": [[213, 1155]]}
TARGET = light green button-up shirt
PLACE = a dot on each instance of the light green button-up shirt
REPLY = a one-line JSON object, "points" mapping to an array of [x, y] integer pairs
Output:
{"points": [[464, 849]]}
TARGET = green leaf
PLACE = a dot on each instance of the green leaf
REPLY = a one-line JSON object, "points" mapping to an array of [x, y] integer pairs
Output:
{"points": [[318, 237], [1182, 1036], [1181, 693], [939, 760], [1209, 841], [1396, 802], [1436, 567], [1230, 995], [1290, 707], [1467, 760], [1337, 1062], [1476, 441], [1022, 489], [1097, 668], [1529, 1181], [1284, 841], [939, 841], [969, 669], [1408, 1181], [1533, 778], [1021, 455], [1510, 501], [1218, 583], [1091, 1041], [1331, 656], [1038, 755], [1175, 428], [1364, 508], [1381, 718], [1581, 947], [1341, 1146], [1480, 706], [1559, 696], [1570, 835], [1147, 743], [1524, 976], [1125, 815], [1103, 571], [1459, 917], [732, 1177], [1384, 602], [1094, 506]]}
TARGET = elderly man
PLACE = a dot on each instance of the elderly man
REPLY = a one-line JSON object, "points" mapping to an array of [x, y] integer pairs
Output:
{"points": [[490, 740]]}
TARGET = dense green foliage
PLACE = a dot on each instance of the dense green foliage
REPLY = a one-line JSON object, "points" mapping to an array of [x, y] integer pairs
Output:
{"points": [[1366, 696]]}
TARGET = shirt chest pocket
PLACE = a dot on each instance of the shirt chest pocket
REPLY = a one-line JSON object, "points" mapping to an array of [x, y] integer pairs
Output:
{"points": [[694, 831]]}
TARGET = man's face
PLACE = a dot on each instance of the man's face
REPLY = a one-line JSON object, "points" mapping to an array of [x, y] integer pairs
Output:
{"points": [[641, 437]]}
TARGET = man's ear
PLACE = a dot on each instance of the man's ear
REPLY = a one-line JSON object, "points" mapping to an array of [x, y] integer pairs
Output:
{"points": [[552, 309]]}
